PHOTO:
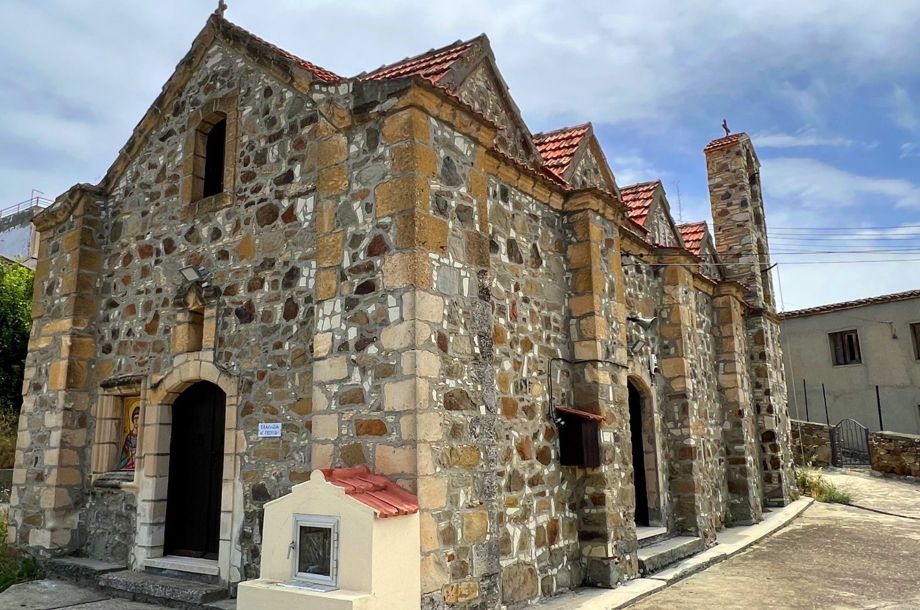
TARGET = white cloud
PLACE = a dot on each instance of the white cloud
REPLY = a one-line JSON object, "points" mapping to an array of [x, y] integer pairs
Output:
{"points": [[806, 137], [633, 168], [811, 183], [903, 110], [909, 149]]}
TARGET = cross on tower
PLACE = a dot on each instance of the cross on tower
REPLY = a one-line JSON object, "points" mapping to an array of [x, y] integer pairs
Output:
{"points": [[221, 8]]}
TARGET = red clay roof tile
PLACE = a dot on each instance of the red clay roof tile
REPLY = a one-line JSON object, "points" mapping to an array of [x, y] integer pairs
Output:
{"points": [[432, 65], [320, 73], [885, 298], [374, 490], [724, 141], [558, 147], [638, 199], [693, 234]]}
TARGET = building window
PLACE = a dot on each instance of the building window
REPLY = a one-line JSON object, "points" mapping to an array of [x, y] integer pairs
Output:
{"points": [[845, 347], [315, 548], [210, 149], [915, 334], [209, 156]]}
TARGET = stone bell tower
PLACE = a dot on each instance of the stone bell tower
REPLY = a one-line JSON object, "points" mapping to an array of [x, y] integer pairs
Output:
{"points": [[740, 230]]}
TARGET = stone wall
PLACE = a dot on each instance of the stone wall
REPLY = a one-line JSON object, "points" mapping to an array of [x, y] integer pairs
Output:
{"points": [[811, 443], [895, 453]]}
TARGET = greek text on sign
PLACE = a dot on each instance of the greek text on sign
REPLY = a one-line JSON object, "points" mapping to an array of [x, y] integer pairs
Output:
{"points": [[270, 430]]}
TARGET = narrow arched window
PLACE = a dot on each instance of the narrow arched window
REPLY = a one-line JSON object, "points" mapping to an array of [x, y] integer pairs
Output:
{"points": [[210, 156]]}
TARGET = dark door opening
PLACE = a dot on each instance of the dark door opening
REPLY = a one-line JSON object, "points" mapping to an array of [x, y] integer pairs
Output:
{"points": [[638, 455], [196, 458]]}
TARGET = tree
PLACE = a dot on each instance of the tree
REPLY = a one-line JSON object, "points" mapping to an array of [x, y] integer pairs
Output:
{"points": [[15, 325]]}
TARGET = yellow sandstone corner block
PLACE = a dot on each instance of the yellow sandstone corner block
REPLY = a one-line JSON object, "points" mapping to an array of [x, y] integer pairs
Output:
{"points": [[326, 280], [406, 125], [403, 193], [422, 231], [332, 181], [332, 151], [403, 269], [329, 249]]}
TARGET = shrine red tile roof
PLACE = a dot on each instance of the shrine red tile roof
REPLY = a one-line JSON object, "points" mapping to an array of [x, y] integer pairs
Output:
{"points": [[885, 298], [374, 490], [558, 147], [320, 73], [724, 141], [432, 65], [693, 234], [638, 199]]}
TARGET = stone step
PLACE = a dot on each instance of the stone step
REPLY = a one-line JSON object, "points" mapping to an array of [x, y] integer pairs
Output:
{"points": [[80, 570], [164, 590], [647, 536], [660, 555]]}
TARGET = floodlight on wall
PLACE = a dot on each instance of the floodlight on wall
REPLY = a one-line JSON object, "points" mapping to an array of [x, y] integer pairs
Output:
{"points": [[195, 274], [645, 323]]}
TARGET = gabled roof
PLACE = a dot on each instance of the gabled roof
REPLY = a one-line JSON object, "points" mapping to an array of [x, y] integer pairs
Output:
{"points": [[638, 199], [886, 298], [374, 490], [725, 141], [432, 65], [558, 147], [692, 235], [249, 38]]}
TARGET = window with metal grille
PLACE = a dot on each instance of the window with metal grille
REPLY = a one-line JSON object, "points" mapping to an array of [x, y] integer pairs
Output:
{"points": [[915, 334], [845, 347]]}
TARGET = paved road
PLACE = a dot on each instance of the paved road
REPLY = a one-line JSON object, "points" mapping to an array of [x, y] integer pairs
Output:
{"points": [[832, 556]]}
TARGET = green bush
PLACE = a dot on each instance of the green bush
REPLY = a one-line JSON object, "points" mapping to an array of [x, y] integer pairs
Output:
{"points": [[14, 566], [15, 325], [813, 484], [8, 428]]}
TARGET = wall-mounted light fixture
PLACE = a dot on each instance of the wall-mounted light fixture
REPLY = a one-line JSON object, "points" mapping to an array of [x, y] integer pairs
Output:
{"points": [[195, 274], [645, 323]]}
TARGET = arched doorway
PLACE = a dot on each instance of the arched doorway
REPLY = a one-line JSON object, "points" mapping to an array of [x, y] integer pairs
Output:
{"points": [[196, 459]]}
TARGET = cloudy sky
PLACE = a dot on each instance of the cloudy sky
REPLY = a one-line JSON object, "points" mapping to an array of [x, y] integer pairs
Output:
{"points": [[828, 89]]}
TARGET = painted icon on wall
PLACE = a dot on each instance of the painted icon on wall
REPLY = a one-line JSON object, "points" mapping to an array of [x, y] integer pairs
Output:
{"points": [[130, 421]]}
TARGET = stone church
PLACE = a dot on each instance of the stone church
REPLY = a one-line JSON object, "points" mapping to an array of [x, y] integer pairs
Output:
{"points": [[395, 270]]}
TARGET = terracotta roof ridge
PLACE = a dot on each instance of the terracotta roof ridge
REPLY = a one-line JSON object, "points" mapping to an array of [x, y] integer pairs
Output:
{"points": [[548, 134], [420, 56], [318, 71], [725, 140], [830, 307], [693, 223], [640, 185]]}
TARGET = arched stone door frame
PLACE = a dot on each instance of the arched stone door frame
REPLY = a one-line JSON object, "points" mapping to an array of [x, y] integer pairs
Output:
{"points": [[153, 465], [655, 474]]}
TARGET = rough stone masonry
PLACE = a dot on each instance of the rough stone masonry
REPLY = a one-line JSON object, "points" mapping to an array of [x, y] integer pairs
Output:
{"points": [[393, 268]]}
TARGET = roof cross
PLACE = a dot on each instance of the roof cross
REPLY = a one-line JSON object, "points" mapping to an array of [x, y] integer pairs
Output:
{"points": [[221, 8], [724, 122]]}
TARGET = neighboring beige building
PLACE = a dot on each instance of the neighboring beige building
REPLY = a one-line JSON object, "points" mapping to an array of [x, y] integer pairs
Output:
{"points": [[851, 348]]}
